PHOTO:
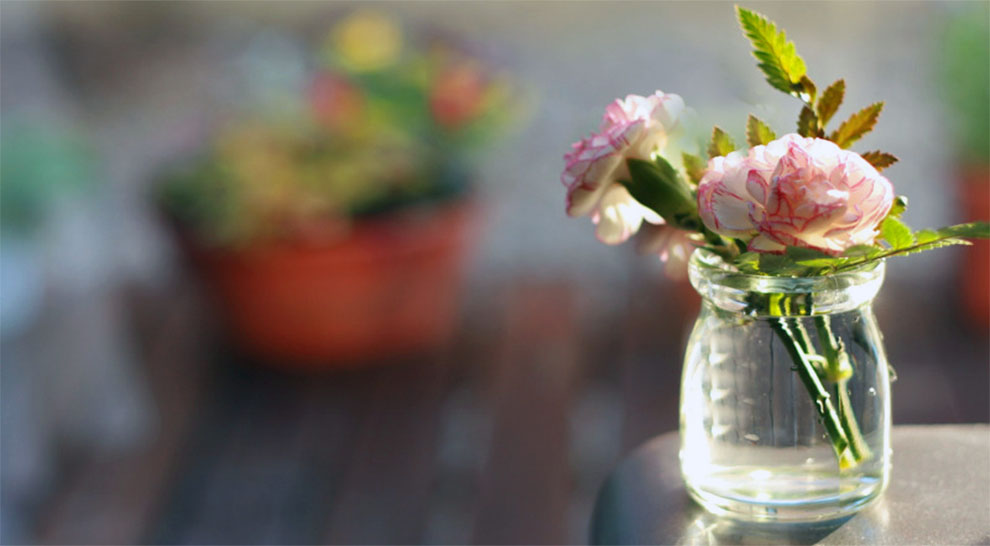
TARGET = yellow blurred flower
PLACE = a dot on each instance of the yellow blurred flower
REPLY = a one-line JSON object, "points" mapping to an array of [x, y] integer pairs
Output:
{"points": [[366, 41]]}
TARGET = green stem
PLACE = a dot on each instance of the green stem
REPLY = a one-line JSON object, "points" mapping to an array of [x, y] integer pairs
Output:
{"points": [[917, 247], [860, 450], [820, 396], [838, 370]]}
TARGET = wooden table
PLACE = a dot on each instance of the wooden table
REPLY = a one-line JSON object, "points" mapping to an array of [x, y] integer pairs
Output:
{"points": [[939, 494], [504, 437]]}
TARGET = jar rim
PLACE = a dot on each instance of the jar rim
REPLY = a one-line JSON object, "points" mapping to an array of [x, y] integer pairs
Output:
{"points": [[730, 289], [708, 260]]}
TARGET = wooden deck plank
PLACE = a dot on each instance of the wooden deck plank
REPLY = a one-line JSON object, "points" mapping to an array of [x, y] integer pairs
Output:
{"points": [[659, 318], [110, 499], [526, 485], [384, 496], [267, 458]]}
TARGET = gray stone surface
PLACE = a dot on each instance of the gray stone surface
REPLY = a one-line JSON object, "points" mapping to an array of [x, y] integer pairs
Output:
{"points": [[939, 494]]}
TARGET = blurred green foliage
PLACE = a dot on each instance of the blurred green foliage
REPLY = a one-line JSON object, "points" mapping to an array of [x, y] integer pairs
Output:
{"points": [[381, 125], [38, 162], [964, 59]]}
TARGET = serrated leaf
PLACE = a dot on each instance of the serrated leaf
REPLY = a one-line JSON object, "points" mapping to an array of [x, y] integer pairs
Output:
{"points": [[658, 186], [831, 99], [721, 143], [879, 160], [939, 243], [758, 132], [926, 239], [971, 230], [808, 123], [857, 125], [694, 166], [899, 206], [913, 249], [777, 57], [859, 251], [925, 235], [808, 91], [896, 234]]}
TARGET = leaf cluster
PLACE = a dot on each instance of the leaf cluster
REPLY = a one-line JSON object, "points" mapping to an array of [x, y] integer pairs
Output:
{"points": [[786, 71], [896, 239]]}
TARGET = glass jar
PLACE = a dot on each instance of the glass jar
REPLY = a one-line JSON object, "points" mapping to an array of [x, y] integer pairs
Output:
{"points": [[785, 395]]}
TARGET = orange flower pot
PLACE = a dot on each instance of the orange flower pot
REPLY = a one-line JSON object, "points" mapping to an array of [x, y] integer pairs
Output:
{"points": [[975, 272], [389, 288]]}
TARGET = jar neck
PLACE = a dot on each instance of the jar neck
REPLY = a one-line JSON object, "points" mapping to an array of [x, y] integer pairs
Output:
{"points": [[760, 295]]}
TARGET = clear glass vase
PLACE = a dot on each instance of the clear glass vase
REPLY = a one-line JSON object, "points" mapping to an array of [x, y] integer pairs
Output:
{"points": [[785, 396]]}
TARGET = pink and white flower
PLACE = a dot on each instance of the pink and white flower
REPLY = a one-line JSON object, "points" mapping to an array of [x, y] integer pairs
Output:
{"points": [[636, 127], [795, 191]]}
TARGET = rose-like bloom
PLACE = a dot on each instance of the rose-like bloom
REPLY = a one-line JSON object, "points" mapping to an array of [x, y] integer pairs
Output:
{"points": [[634, 128], [795, 191]]}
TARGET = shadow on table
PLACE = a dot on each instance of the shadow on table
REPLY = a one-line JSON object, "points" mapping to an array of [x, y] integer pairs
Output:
{"points": [[939, 492]]}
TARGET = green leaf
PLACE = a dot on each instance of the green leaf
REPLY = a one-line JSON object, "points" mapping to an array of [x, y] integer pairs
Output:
{"points": [[925, 236], [808, 123], [972, 230], [808, 90], [657, 185], [694, 166], [926, 239], [775, 264], [758, 132], [777, 57], [857, 125], [859, 251], [932, 245], [747, 262], [812, 260], [899, 206], [896, 234], [880, 160], [801, 254], [721, 143], [831, 99]]}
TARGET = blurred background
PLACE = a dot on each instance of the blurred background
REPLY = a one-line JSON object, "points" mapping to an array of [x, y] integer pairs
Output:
{"points": [[300, 272]]}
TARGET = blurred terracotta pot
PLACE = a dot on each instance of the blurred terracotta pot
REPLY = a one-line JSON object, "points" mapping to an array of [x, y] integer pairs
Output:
{"points": [[390, 287], [975, 271]]}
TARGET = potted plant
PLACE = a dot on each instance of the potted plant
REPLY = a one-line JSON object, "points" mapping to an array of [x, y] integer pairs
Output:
{"points": [[785, 394], [337, 236]]}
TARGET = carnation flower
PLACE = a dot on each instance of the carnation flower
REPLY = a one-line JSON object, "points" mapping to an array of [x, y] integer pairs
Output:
{"points": [[636, 128], [796, 191]]}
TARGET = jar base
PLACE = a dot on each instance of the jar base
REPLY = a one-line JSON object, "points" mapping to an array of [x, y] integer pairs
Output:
{"points": [[800, 506]]}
